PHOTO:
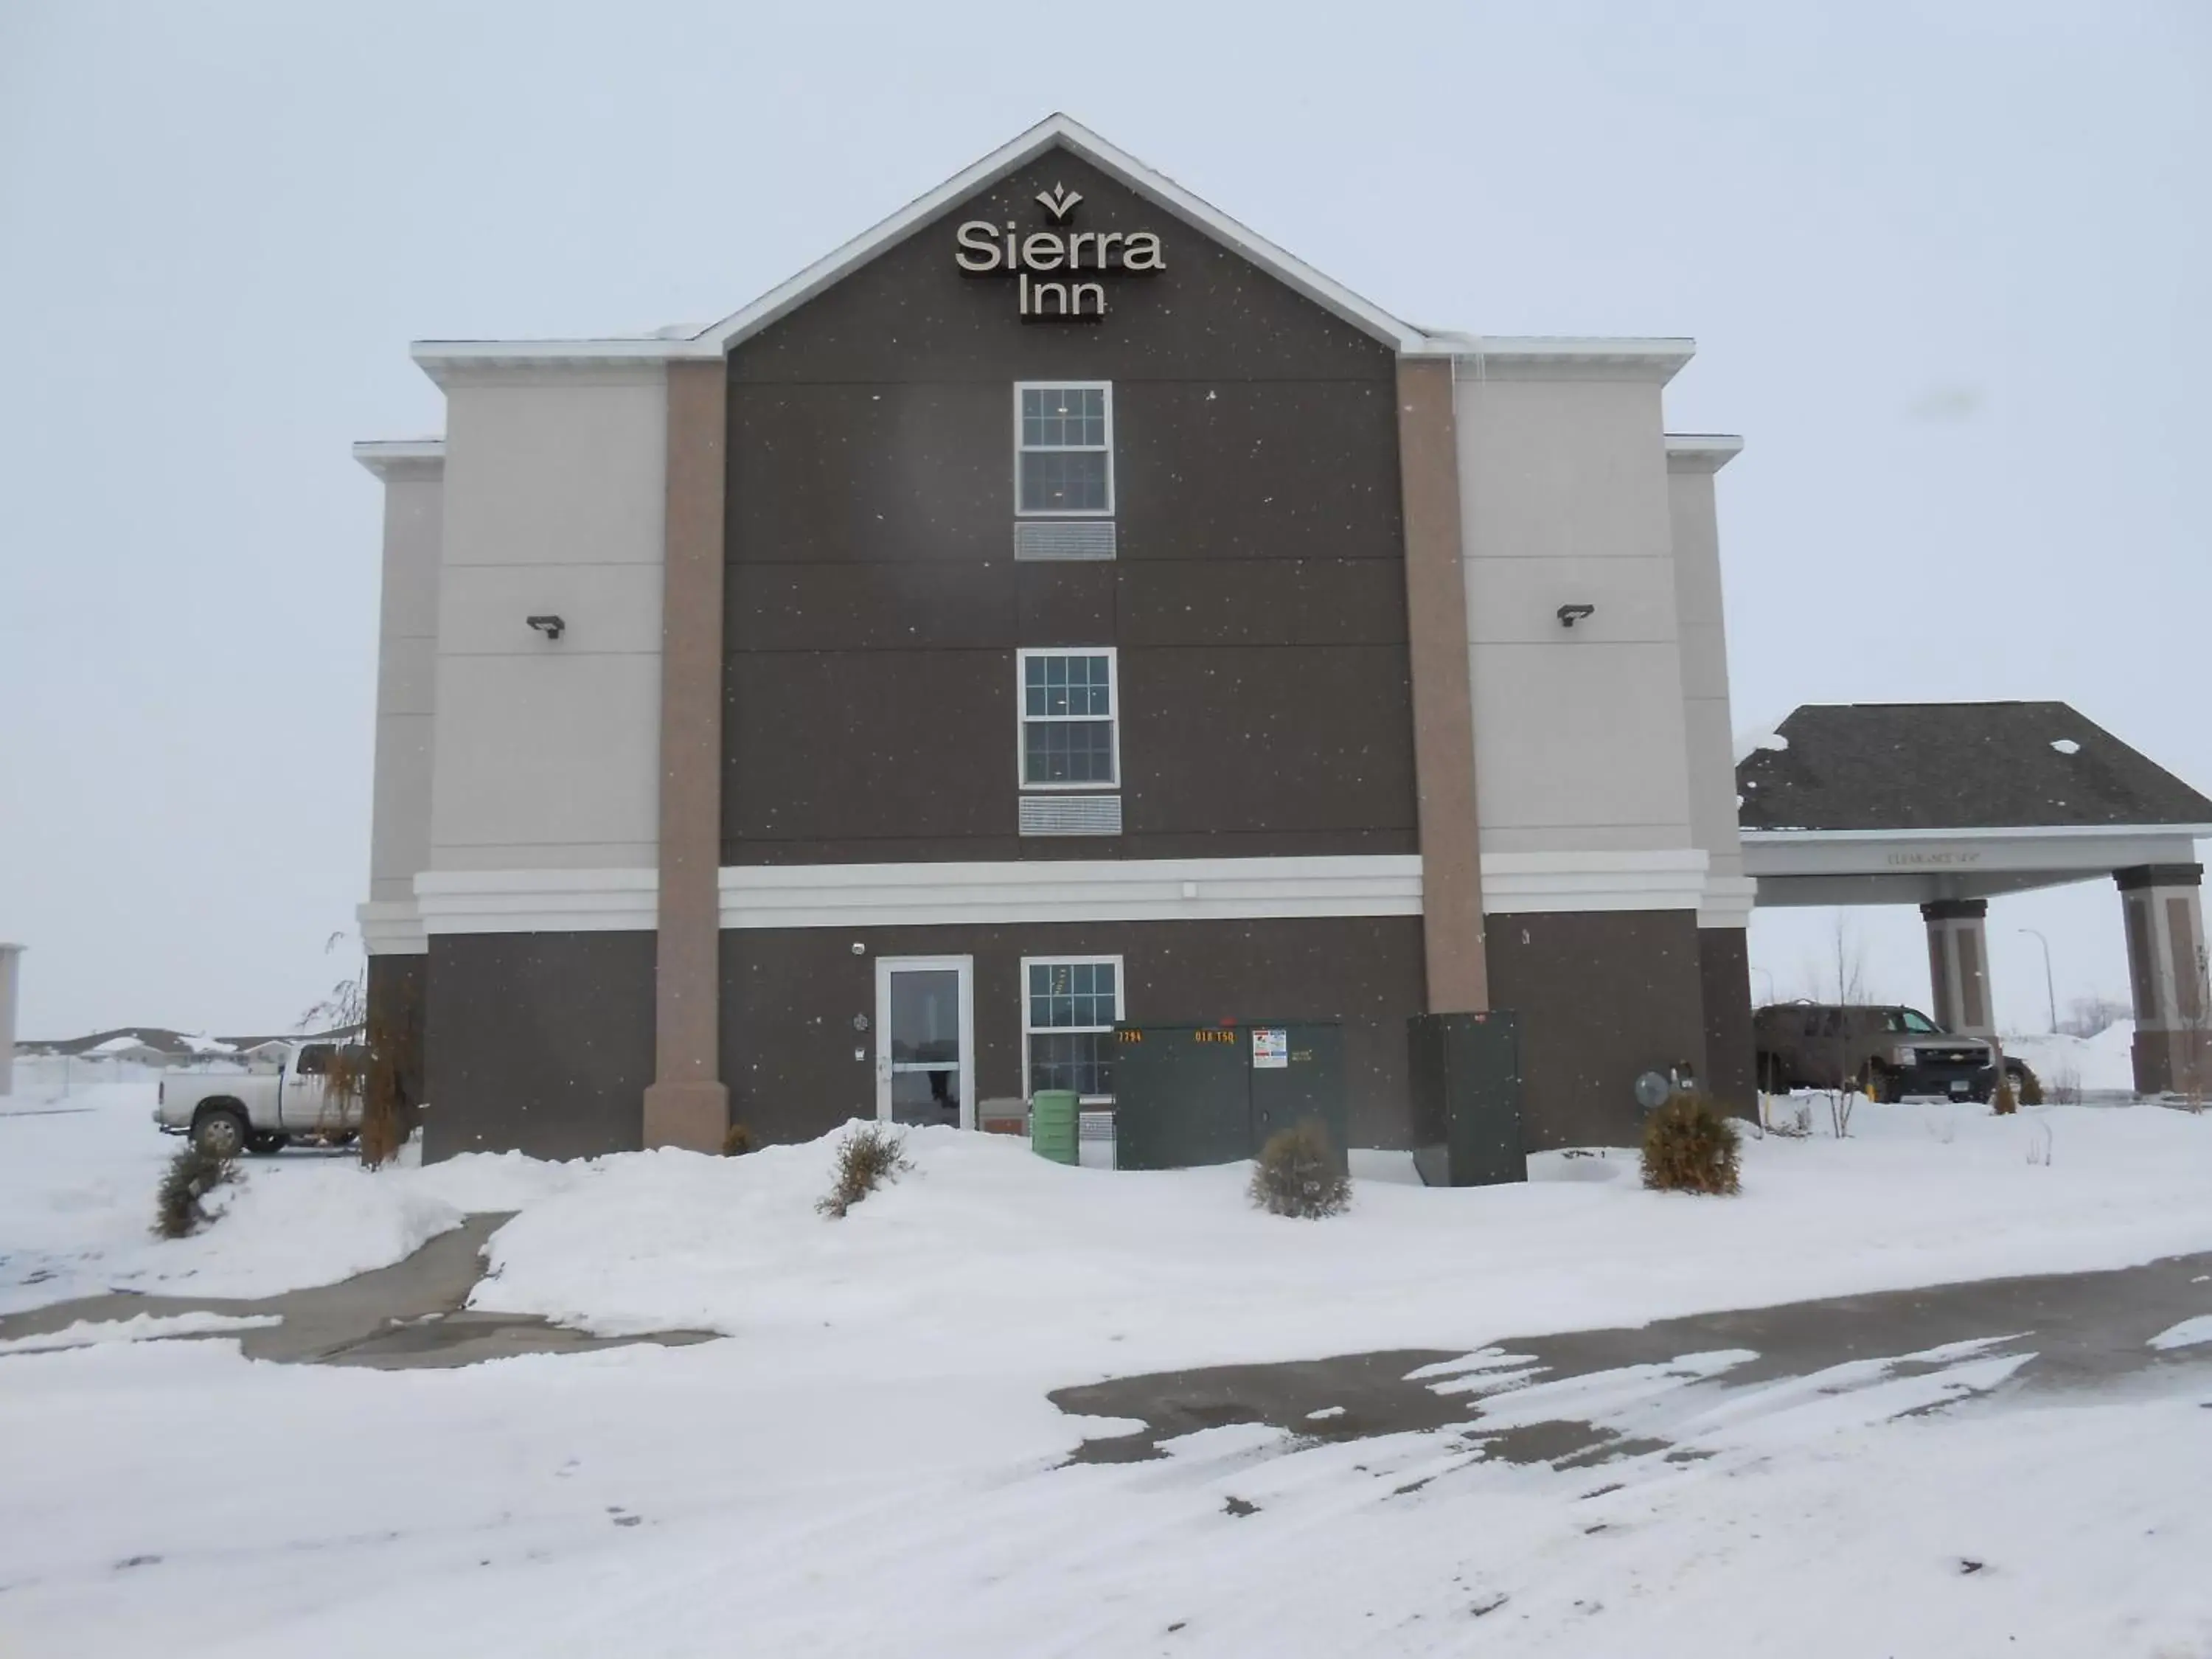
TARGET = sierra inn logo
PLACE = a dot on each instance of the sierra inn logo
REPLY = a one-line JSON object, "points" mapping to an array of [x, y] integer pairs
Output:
{"points": [[984, 249]]}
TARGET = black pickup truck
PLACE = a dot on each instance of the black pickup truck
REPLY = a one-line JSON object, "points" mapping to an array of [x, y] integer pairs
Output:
{"points": [[1886, 1052]]}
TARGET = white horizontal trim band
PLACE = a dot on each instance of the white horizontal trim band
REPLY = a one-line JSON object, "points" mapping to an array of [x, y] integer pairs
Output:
{"points": [[391, 928], [537, 901], [2020, 832], [1068, 890], [1518, 883], [1055, 889], [1727, 902]]}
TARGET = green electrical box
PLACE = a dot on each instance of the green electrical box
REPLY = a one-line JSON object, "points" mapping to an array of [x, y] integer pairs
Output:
{"points": [[1190, 1095], [1053, 1117], [1463, 1074]]}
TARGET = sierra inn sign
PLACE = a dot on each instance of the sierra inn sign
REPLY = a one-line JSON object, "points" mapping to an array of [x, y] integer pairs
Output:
{"points": [[984, 249]]}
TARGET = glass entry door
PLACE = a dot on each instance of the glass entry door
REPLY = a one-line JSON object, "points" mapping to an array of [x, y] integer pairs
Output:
{"points": [[926, 1040]]}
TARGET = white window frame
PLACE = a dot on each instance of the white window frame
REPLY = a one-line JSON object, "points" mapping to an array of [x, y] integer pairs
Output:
{"points": [[1020, 449], [1121, 993], [1022, 717]]}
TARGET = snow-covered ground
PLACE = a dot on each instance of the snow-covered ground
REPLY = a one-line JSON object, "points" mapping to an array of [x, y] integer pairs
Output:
{"points": [[869, 1465], [2102, 1065]]}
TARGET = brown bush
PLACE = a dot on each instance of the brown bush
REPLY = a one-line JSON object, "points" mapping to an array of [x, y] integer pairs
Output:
{"points": [[2030, 1088], [180, 1209], [1689, 1146], [391, 1040], [738, 1141], [868, 1156], [2003, 1102], [1300, 1173]]}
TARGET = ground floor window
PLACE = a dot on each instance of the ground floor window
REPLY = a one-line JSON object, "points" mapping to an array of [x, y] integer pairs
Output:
{"points": [[1069, 1004]]}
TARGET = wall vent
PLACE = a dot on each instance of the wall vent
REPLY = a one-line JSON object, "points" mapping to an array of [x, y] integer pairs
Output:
{"points": [[1064, 538], [1070, 815]]}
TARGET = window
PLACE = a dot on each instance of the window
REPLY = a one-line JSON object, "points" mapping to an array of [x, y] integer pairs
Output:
{"points": [[1917, 1021], [1064, 449], [1068, 1009], [1068, 732]]}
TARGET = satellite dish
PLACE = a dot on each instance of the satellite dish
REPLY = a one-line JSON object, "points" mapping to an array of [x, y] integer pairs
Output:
{"points": [[1652, 1088]]}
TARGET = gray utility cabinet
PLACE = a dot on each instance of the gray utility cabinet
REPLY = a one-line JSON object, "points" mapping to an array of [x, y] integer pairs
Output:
{"points": [[1188, 1094], [1464, 1071]]}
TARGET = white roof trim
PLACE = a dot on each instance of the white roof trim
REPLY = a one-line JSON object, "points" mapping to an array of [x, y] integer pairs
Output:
{"points": [[2009, 832], [1702, 452], [384, 455], [1658, 356], [1059, 129]]}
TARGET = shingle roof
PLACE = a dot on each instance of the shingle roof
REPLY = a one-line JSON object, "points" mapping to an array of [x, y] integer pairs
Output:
{"points": [[1954, 766]]}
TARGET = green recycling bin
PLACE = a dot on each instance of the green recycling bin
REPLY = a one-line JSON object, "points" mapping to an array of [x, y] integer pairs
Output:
{"points": [[1054, 1122]]}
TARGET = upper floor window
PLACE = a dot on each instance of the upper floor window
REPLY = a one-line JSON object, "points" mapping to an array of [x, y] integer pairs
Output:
{"points": [[1069, 718], [1064, 449]]}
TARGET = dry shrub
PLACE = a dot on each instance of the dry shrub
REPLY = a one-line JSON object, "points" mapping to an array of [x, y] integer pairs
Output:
{"points": [[1689, 1146], [1299, 1173], [2004, 1103], [739, 1141], [391, 1042], [180, 1206], [869, 1155], [2031, 1087]]}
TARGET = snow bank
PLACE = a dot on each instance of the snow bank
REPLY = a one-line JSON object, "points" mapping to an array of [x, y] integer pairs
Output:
{"points": [[870, 1464], [2103, 1063], [1071, 1270]]}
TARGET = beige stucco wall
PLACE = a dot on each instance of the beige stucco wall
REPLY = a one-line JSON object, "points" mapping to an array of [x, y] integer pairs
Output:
{"points": [[406, 672], [1581, 743], [1706, 720], [548, 751]]}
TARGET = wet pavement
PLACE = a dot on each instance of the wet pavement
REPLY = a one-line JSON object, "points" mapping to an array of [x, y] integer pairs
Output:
{"points": [[410, 1315], [2053, 1332]]}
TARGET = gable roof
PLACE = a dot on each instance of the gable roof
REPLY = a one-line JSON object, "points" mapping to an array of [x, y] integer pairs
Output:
{"points": [[1956, 766], [1065, 132], [1062, 130]]}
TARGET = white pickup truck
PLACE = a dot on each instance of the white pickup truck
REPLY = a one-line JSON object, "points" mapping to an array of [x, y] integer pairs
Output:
{"points": [[263, 1111]]}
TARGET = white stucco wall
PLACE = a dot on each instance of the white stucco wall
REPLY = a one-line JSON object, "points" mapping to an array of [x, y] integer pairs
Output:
{"points": [[1581, 742], [407, 646], [1707, 723], [547, 754]]}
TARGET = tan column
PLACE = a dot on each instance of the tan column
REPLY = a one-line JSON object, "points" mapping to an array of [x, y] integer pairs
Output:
{"points": [[687, 1104], [1444, 704], [1957, 960], [2167, 969]]}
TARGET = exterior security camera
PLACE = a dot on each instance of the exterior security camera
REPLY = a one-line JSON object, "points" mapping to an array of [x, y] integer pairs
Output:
{"points": [[551, 627], [1571, 614]]}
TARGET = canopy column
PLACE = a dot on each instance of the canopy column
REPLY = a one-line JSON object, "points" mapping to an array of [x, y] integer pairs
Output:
{"points": [[1958, 964]]}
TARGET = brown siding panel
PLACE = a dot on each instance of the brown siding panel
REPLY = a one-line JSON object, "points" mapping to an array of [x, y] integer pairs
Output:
{"points": [[540, 1042], [871, 521], [1602, 995], [1724, 982], [789, 1044]]}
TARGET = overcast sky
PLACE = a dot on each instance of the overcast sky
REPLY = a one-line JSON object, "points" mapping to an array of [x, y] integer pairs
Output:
{"points": [[1935, 258]]}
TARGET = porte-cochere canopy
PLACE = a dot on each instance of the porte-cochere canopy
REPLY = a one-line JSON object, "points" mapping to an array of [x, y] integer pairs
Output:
{"points": [[1947, 804], [1904, 803]]}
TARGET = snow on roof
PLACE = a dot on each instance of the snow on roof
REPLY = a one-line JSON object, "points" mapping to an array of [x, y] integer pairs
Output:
{"points": [[1956, 766]]}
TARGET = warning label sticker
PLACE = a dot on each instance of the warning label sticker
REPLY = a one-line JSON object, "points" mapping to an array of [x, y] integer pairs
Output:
{"points": [[1271, 1048]]}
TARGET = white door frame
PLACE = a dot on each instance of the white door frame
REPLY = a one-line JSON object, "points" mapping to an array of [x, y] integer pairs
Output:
{"points": [[965, 967]]}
